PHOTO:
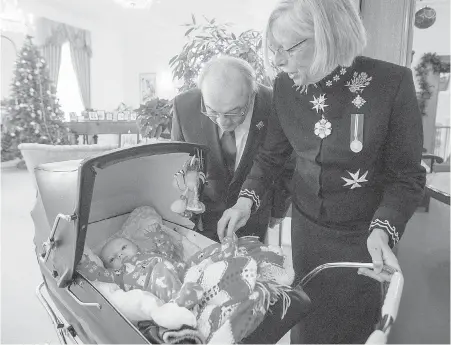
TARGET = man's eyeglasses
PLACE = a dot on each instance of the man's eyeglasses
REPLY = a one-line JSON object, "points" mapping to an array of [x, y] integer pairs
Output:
{"points": [[232, 115], [287, 52]]}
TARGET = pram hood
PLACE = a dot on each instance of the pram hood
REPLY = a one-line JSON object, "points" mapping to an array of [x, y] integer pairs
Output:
{"points": [[101, 187]]}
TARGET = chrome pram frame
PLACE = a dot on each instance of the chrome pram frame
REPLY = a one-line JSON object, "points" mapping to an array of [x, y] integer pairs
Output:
{"points": [[379, 336]]}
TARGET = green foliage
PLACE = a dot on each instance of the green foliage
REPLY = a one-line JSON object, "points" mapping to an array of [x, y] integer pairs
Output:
{"points": [[154, 118], [429, 61], [206, 40], [33, 114]]}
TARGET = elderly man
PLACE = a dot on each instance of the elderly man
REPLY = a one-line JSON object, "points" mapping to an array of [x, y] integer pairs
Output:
{"points": [[229, 113]]}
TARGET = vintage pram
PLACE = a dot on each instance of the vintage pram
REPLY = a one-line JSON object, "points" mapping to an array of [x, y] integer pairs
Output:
{"points": [[85, 202]]}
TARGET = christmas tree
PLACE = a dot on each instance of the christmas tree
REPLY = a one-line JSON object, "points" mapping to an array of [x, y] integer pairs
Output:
{"points": [[33, 112]]}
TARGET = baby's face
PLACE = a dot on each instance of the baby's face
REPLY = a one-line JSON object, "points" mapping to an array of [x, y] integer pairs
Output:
{"points": [[116, 251]]}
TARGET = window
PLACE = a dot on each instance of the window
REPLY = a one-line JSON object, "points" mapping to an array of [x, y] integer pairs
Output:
{"points": [[68, 91]]}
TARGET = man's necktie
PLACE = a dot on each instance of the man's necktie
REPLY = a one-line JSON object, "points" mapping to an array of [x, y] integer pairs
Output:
{"points": [[228, 144]]}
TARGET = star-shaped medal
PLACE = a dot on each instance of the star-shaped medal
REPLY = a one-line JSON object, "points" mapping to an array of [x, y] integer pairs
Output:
{"points": [[355, 180], [319, 103]]}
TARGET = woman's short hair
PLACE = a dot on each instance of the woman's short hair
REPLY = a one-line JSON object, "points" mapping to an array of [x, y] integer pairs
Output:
{"points": [[220, 67], [335, 25]]}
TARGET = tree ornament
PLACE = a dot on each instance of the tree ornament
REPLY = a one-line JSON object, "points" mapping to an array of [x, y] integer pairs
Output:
{"points": [[17, 83], [24, 54], [48, 92], [33, 115], [23, 61], [425, 17], [30, 76]]}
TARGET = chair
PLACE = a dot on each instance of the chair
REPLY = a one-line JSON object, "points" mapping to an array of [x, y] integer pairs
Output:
{"points": [[432, 159]]}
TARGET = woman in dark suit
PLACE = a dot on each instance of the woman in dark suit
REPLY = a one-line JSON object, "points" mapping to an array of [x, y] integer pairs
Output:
{"points": [[356, 129]]}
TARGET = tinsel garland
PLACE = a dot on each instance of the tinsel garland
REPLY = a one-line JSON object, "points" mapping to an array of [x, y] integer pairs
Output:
{"points": [[429, 62]]}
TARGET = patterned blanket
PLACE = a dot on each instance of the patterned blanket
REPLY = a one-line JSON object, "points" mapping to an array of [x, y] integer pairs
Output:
{"points": [[239, 279]]}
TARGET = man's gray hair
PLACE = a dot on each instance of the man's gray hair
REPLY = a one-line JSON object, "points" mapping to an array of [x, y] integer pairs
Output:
{"points": [[220, 66]]}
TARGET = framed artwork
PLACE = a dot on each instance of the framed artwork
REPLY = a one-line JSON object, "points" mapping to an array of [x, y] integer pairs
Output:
{"points": [[101, 115], [132, 116], [147, 87], [93, 116], [120, 116], [127, 115], [109, 116], [73, 116]]}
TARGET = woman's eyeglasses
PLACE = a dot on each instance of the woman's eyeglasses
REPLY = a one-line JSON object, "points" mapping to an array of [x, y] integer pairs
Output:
{"points": [[232, 115], [287, 52]]}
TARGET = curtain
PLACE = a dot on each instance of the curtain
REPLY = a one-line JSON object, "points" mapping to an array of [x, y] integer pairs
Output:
{"points": [[81, 61], [52, 55], [51, 36], [80, 49]]}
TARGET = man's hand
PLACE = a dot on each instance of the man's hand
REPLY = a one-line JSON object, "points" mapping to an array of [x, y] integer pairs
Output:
{"points": [[234, 218], [274, 221], [381, 255]]}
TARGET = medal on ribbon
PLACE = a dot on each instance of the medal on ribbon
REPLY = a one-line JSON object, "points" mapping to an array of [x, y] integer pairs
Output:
{"points": [[356, 139]]}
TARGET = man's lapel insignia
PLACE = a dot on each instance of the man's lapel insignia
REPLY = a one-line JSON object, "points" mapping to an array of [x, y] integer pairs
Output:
{"points": [[260, 125]]}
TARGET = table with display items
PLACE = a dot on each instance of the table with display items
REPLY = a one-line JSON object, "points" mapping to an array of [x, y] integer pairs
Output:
{"points": [[94, 128]]}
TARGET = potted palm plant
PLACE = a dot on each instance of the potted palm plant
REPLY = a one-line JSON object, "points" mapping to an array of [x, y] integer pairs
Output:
{"points": [[208, 39]]}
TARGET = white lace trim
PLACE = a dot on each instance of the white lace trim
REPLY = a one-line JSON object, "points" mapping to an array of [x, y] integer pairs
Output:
{"points": [[251, 194], [385, 225]]}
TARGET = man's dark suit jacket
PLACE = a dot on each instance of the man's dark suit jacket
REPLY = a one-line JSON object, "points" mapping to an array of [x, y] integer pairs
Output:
{"points": [[221, 191]]}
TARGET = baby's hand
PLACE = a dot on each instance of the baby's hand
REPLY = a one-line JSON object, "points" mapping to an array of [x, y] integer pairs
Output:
{"points": [[152, 228]]}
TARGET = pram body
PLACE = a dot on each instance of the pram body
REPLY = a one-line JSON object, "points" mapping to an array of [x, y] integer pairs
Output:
{"points": [[85, 202]]}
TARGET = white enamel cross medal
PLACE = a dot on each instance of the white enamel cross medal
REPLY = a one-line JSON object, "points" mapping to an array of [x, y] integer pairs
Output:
{"points": [[323, 127], [356, 140]]}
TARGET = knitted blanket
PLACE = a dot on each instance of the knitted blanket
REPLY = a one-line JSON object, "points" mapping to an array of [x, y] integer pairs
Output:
{"points": [[239, 279]]}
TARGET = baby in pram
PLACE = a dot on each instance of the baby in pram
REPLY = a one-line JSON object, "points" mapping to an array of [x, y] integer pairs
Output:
{"points": [[223, 290]]}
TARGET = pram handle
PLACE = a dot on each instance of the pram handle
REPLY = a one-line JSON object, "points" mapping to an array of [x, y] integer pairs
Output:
{"points": [[392, 297]]}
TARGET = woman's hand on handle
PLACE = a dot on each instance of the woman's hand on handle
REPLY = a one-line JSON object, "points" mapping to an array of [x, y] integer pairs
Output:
{"points": [[234, 218], [381, 254]]}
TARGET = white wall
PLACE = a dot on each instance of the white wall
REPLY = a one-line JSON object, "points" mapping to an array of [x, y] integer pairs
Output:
{"points": [[435, 39], [153, 38]]}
